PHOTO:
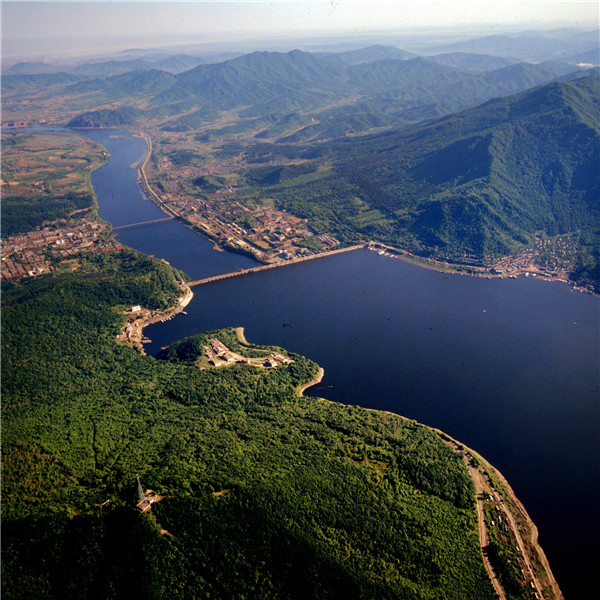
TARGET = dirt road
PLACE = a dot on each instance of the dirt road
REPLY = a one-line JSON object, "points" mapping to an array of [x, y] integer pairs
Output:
{"points": [[478, 470]]}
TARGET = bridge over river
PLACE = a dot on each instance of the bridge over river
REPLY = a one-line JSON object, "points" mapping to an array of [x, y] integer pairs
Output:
{"points": [[121, 227], [273, 265]]}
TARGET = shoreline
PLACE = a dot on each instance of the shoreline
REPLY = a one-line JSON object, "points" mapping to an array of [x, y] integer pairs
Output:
{"points": [[528, 530], [316, 379], [465, 269], [523, 527], [239, 331], [431, 264], [133, 332]]}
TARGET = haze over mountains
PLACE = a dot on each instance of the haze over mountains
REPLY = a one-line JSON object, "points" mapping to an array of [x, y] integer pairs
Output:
{"points": [[518, 159], [529, 45], [395, 86], [406, 89]]}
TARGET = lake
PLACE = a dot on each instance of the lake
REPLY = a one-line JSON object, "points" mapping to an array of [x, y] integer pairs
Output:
{"points": [[509, 367]]}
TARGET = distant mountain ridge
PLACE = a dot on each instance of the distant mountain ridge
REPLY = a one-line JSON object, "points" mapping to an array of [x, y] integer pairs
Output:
{"points": [[528, 45], [368, 54], [473, 62], [173, 63], [273, 85]]}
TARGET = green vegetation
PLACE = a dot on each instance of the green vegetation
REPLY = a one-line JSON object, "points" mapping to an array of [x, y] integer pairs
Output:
{"points": [[24, 213], [483, 182], [265, 176], [282, 93], [265, 494], [127, 115], [185, 157], [47, 176], [210, 183], [192, 120]]}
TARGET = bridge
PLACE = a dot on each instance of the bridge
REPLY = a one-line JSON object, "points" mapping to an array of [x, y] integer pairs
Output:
{"points": [[121, 227], [272, 266]]}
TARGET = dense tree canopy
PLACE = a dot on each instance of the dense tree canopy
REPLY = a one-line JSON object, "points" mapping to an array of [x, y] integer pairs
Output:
{"points": [[265, 494]]}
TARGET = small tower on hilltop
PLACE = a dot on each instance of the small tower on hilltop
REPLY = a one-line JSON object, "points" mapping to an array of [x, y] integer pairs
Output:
{"points": [[146, 499], [141, 495]]}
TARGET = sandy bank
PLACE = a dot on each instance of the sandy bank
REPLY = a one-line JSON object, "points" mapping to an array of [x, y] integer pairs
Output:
{"points": [[316, 379], [133, 332], [239, 331]]}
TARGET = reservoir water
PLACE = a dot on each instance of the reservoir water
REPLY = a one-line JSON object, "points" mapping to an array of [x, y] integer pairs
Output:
{"points": [[509, 367]]}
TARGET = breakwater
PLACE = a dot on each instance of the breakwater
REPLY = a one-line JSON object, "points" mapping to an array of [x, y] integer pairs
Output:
{"points": [[273, 265]]}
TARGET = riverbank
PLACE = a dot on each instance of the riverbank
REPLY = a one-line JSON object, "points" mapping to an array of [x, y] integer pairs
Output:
{"points": [[133, 333], [471, 270], [525, 531], [466, 268], [492, 489], [314, 381], [490, 483]]}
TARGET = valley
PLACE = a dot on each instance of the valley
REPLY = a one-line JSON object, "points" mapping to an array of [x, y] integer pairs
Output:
{"points": [[459, 158]]}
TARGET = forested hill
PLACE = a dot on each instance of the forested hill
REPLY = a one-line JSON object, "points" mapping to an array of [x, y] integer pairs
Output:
{"points": [[264, 494], [482, 181], [274, 84]]}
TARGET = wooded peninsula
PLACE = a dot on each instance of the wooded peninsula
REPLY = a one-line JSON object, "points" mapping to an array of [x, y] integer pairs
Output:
{"points": [[205, 472]]}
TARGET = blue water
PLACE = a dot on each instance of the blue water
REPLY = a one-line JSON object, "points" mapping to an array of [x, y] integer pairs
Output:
{"points": [[122, 203], [509, 367]]}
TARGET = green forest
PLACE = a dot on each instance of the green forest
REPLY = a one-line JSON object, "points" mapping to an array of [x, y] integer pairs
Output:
{"points": [[265, 494], [482, 183]]}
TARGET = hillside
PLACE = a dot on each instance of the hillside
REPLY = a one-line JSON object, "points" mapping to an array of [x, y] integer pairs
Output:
{"points": [[473, 62], [481, 182], [106, 118], [294, 497], [400, 87]]}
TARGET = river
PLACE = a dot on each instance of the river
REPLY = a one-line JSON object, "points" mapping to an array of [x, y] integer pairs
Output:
{"points": [[509, 367]]}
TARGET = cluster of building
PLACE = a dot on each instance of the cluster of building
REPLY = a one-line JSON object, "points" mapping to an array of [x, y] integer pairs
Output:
{"points": [[549, 257], [219, 354], [42, 250], [270, 235]]}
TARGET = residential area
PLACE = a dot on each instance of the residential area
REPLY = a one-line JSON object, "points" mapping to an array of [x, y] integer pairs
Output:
{"points": [[48, 248], [256, 228]]}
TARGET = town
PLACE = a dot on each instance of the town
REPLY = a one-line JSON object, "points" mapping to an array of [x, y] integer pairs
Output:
{"points": [[207, 199], [50, 248]]}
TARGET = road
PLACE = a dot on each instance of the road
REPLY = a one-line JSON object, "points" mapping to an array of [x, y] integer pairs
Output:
{"points": [[482, 484], [480, 487]]}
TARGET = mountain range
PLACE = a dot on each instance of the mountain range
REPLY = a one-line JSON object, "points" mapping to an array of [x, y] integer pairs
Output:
{"points": [[483, 181], [273, 85], [555, 44], [449, 161]]}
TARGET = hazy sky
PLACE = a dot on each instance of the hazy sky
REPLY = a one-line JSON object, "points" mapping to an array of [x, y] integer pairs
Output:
{"points": [[48, 27]]}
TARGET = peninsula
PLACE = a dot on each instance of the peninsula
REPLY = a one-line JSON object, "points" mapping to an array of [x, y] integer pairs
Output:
{"points": [[478, 164]]}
